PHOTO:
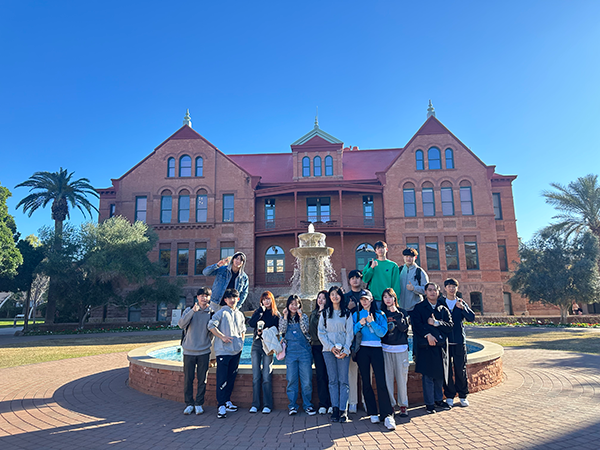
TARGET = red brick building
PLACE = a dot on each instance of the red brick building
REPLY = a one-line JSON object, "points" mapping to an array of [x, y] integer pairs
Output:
{"points": [[433, 194]]}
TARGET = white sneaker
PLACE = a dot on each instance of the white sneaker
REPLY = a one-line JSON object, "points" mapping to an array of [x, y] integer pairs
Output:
{"points": [[352, 408], [230, 406], [330, 410], [221, 412], [390, 423], [464, 402], [322, 410], [375, 419], [253, 410], [199, 409], [450, 401], [266, 410], [188, 410]]}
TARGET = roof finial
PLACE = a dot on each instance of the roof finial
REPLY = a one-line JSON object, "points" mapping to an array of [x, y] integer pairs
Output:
{"points": [[187, 120], [317, 118], [430, 110]]}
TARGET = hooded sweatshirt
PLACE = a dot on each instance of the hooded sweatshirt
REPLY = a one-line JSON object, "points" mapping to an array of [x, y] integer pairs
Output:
{"points": [[223, 275], [197, 340], [231, 323]]}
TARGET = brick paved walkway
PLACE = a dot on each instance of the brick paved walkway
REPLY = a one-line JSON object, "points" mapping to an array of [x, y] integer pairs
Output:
{"points": [[550, 400]]}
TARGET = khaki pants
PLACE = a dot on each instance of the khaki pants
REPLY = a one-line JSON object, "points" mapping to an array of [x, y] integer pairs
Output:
{"points": [[396, 367]]}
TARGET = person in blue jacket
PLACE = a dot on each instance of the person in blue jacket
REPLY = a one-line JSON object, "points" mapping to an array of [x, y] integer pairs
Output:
{"points": [[229, 274], [372, 325]]}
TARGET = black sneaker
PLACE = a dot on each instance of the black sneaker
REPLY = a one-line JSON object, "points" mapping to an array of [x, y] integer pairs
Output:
{"points": [[335, 417], [443, 405], [430, 409], [293, 411], [310, 411]]}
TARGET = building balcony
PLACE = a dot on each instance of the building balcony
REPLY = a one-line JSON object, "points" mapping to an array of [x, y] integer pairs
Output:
{"points": [[321, 223]]}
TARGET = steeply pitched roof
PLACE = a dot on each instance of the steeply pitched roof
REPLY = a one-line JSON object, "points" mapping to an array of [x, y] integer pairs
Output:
{"points": [[364, 164], [271, 167], [316, 131]]}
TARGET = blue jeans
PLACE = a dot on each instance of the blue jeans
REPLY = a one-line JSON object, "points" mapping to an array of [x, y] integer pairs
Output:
{"points": [[298, 359], [261, 376], [432, 391], [337, 371]]}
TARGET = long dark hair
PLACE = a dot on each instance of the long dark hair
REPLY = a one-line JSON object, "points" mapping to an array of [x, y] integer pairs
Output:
{"points": [[317, 300], [328, 310], [373, 309], [296, 317]]}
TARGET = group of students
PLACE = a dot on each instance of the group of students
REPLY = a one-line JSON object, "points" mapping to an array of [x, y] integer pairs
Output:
{"points": [[362, 331]]}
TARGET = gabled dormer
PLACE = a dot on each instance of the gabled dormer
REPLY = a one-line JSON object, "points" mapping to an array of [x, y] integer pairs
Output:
{"points": [[317, 156]]}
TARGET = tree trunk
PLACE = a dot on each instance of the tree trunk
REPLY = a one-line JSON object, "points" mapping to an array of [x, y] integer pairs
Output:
{"points": [[27, 303], [51, 306], [564, 312]]}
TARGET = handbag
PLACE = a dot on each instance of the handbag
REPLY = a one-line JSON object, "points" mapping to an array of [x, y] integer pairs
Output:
{"points": [[281, 354], [355, 347]]}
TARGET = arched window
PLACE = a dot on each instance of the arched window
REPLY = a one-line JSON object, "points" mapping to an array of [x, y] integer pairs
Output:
{"points": [[476, 302], [449, 159], [410, 201], [447, 199], [364, 252], [306, 166], [183, 213], [428, 199], [328, 166], [419, 160], [171, 167], [185, 166], [317, 166], [199, 166], [466, 198], [275, 265], [166, 206], [434, 160], [201, 206]]}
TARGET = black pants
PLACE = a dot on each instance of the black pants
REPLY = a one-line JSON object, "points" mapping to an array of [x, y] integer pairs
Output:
{"points": [[458, 367], [193, 365], [373, 357], [227, 369], [322, 378]]}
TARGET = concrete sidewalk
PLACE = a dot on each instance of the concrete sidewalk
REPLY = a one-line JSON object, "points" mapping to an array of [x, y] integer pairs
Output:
{"points": [[549, 400]]}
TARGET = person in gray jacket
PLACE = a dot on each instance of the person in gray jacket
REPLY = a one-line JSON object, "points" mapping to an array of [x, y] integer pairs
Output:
{"points": [[229, 274], [229, 326], [196, 344], [412, 279]]}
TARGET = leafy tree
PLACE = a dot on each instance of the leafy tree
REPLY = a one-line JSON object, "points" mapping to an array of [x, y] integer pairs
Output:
{"points": [[10, 257], [61, 190], [578, 204], [100, 263], [557, 271]]}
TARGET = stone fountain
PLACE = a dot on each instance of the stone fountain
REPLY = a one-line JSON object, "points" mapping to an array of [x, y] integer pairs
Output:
{"points": [[313, 265]]}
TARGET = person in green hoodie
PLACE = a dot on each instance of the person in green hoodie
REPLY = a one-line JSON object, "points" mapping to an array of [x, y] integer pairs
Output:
{"points": [[381, 274]]}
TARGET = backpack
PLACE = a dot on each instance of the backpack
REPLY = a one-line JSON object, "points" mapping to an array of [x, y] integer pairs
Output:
{"points": [[417, 274], [183, 331]]}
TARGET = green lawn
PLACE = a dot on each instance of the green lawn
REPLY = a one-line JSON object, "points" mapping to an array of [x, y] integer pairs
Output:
{"points": [[32, 352], [7, 323], [52, 349]]}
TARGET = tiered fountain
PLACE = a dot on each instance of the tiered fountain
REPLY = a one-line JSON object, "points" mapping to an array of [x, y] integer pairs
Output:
{"points": [[313, 265]]}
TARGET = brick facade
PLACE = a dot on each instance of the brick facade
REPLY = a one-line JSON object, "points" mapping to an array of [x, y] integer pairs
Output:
{"points": [[354, 196]]}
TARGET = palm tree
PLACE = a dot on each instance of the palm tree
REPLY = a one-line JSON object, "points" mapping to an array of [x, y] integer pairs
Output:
{"points": [[578, 204], [62, 191]]}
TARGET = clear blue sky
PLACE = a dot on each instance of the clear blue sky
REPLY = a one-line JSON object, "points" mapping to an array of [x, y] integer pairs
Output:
{"points": [[95, 86]]}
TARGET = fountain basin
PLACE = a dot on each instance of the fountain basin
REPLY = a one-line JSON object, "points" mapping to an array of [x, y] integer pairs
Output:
{"points": [[162, 378]]}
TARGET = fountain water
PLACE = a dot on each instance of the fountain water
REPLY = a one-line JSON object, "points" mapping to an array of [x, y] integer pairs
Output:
{"points": [[313, 265]]}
